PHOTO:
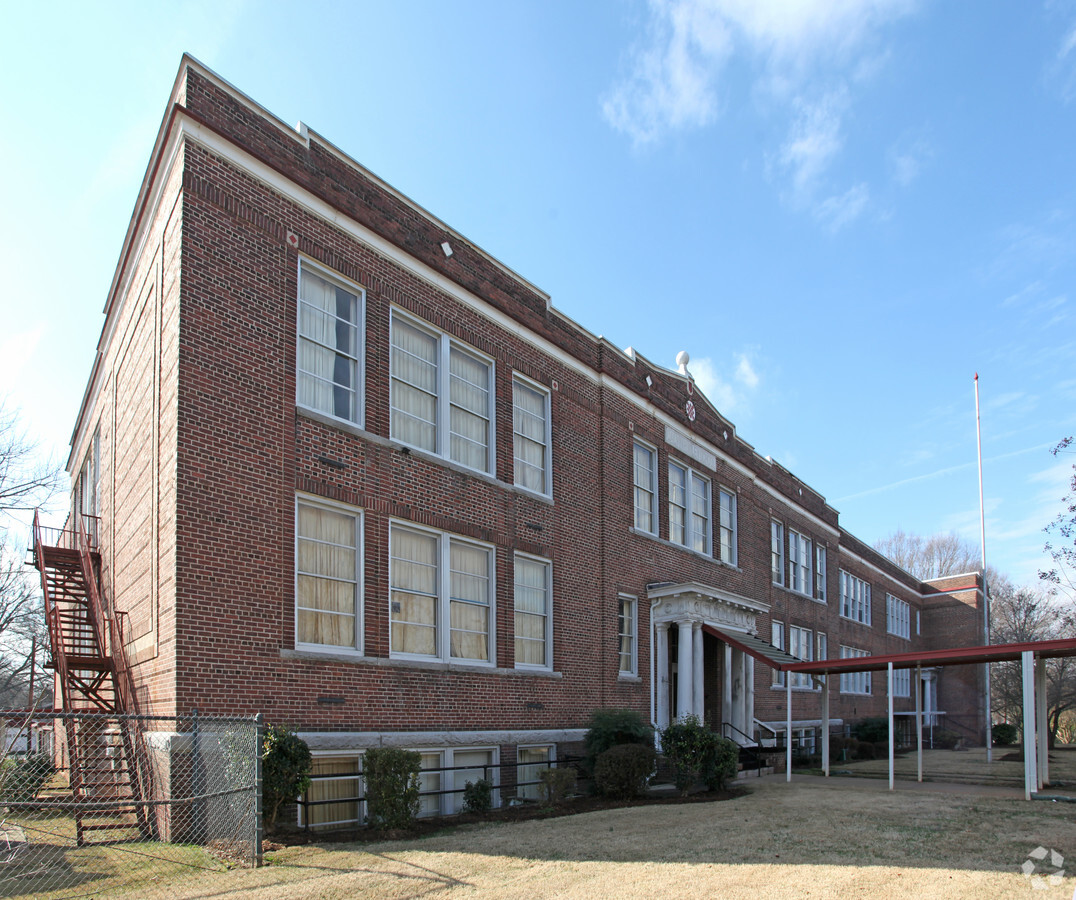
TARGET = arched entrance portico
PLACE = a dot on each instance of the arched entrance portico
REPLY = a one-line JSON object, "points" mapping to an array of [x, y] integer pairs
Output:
{"points": [[691, 665]]}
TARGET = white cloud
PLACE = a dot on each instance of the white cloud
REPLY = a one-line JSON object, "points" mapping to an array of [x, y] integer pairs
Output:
{"points": [[837, 211], [813, 141], [728, 395], [906, 160]]}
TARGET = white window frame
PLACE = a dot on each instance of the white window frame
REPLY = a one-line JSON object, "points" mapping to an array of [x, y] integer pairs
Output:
{"points": [[533, 791], [547, 474], [803, 740], [650, 489], [454, 782], [726, 509], [799, 563], [689, 512], [902, 682], [336, 279], [632, 620], [820, 573], [443, 415], [821, 651], [443, 606], [800, 642], [777, 552], [548, 565], [348, 756], [855, 682], [343, 509], [855, 598], [777, 639], [898, 616]]}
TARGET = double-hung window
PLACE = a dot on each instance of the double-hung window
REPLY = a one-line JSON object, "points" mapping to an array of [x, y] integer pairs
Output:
{"points": [[441, 395], [329, 353], [777, 552], [689, 509], [533, 607], [820, 573], [530, 427], [777, 639], [328, 555], [799, 645], [902, 682], [898, 618], [799, 562], [855, 682], [627, 632], [855, 598], [726, 526], [441, 596], [645, 475]]}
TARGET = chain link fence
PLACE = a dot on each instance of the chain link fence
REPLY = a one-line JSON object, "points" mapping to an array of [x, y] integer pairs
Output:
{"points": [[95, 804]]}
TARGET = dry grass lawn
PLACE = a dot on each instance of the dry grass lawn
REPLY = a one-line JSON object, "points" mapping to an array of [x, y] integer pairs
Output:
{"points": [[846, 838]]}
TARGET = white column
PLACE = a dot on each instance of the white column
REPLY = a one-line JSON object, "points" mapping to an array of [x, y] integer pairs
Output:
{"points": [[1031, 766], [919, 719], [788, 726], [889, 695], [685, 698], [661, 678], [699, 678], [1042, 722], [750, 691], [726, 690], [825, 724], [737, 711]]}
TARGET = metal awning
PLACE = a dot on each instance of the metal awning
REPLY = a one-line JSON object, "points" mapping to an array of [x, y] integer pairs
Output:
{"points": [[772, 656]]}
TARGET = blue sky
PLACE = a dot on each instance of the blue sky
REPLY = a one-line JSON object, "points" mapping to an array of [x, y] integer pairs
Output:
{"points": [[842, 210]]}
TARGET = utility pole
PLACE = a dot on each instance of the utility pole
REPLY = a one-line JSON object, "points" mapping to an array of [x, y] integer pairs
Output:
{"points": [[986, 593]]}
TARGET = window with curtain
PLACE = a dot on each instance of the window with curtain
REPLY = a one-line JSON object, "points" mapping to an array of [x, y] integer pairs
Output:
{"points": [[530, 427], [327, 576], [471, 765], [438, 579], [332, 798], [441, 395], [646, 487], [532, 612], [626, 630], [530, 763], [329, 350]]}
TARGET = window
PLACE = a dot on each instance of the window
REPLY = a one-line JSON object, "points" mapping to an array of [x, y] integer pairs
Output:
{"points": [[530, 428], [646, 487], [803, 741], [689, 509], [898, 616], [799, 562], [777, 638], [855, 598], [441, 395], [820, 572], [855, 682], [822, 644], [430, 781], [777, 552], [327, 568], [902, 682], [435, 579], [626, 631], [444, 774], [726, 526], [332, 798], [473, 766], [799, 645], [534, 624], [329, 354], [530, 763]]}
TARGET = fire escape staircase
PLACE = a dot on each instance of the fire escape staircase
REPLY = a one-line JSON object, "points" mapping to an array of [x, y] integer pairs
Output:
{"points": [[109, 776]]}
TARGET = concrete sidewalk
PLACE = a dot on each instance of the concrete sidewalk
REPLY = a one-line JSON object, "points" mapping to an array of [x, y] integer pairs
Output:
{"points": [[881, 785]]}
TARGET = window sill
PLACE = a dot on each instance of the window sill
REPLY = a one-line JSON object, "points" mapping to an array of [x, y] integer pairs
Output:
{"points": [[799, 594], [627, 678], [427, 665], [845, 618], [681, 547]]}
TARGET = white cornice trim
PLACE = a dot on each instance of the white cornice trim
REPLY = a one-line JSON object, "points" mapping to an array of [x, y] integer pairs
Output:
{"points": [[844, 552]]}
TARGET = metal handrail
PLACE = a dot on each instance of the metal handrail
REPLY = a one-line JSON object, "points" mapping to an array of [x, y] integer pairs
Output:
{"points": [[52, 614]]}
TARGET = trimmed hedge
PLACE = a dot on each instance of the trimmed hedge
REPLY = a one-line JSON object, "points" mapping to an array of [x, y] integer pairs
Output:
{"points": [[622, 772], [392, 786]]}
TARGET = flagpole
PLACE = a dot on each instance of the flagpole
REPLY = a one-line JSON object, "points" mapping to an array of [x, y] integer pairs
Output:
{"points": [[986, 595]]}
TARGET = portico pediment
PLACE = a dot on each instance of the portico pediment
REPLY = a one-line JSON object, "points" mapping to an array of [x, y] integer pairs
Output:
{"points": [[695, 602]]}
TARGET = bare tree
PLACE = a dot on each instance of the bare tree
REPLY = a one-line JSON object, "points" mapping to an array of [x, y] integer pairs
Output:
{"points": [[1062, 531], [26, 480], [930, 557]]}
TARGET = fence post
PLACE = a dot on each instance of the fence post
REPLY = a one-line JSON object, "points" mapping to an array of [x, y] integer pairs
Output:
{"points": [[198, 816], [259, 726]]}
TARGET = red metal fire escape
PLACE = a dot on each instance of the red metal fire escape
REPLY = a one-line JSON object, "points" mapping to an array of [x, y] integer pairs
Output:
{"points": [[109, 775]]}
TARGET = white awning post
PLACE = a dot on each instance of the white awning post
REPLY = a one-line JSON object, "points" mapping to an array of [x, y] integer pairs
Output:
{"points": [[788, 726], [1030, 763], [889, 692], [1042, 723], [919, 718], [825, 724]]}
